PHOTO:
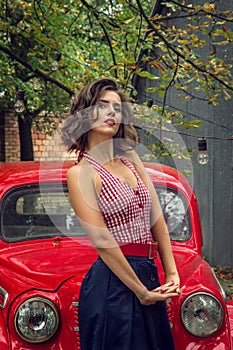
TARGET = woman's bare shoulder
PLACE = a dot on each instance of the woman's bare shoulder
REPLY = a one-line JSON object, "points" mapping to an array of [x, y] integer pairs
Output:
{"points": [[83, 169], [73, 171]]}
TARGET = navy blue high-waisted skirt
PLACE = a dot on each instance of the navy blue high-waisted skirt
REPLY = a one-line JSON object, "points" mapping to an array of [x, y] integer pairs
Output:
{"points": [[112, 318]]}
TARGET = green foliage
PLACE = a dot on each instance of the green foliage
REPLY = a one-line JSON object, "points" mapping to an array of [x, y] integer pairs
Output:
{"points": [[95, 39], [112, 38], [192, 53], [157, 128]]}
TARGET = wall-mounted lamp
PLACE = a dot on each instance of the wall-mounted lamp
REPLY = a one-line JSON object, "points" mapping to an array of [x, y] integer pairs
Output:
{"points": [[20, 101], [149, 103], [55, 64], [202, 157]]}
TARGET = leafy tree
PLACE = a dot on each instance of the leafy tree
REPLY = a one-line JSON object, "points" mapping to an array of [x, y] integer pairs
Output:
{"points": [[195, 49], [123, 39], [188, 48], [94, 40]]}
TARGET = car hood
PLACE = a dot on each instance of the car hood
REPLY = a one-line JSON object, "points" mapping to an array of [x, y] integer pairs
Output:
{"points": [[195, 273], [47, 264], [44, 265]]}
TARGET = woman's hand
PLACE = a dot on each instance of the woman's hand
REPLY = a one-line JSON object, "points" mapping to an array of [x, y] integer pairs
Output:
{"points": [[170, 287], [162, 293]]}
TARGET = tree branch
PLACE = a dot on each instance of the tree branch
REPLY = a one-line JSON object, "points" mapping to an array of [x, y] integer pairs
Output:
{"points": [[178, 53], [37, 72], [172, 82], [105, 33], [216, 15]]}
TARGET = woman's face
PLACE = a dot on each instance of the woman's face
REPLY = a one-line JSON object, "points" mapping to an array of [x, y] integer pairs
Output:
{"points": [[107, 114]]}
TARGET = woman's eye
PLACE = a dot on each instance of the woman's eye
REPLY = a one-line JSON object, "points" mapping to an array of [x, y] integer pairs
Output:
{"points": [[102, 106], [117, 109]]}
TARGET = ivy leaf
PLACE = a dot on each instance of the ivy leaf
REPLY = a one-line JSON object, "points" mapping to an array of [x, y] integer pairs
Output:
{"points": [[196, 123], [145, 74]]}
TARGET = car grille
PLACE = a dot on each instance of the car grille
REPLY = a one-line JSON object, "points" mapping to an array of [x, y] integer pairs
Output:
{"points": [[170, 312], [76, 323]]}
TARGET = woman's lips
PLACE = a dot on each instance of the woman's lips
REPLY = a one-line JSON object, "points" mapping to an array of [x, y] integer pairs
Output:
{"points": [[110, 122]]}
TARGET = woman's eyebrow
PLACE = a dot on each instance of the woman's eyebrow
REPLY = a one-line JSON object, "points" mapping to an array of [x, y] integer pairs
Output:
{"points": [[114, 103]]}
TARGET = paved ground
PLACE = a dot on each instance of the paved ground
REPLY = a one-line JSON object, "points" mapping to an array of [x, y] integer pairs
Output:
{"points": [[225, 277]]}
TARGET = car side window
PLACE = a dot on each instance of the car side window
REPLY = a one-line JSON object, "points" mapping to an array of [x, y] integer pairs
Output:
{"points": [[176, 213], [33, 212]]}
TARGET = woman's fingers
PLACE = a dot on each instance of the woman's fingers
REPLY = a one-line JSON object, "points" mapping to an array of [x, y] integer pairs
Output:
{"points": [[166, 288], [171, 289], [161, 293], [158, 296]]}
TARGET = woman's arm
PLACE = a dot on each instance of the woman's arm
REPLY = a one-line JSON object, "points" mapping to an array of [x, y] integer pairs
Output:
{"points": [[161, 235], [82, 192], [159, 228]]}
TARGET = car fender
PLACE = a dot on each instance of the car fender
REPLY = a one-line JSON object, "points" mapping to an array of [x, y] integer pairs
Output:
{"points": [[4, 336]]}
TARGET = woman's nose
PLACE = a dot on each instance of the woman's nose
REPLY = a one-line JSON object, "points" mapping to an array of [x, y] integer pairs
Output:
{"points": [[111, 108]]}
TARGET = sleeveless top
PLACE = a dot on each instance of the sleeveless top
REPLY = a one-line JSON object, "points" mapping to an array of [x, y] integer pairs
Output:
{"points": [[125, 210]]}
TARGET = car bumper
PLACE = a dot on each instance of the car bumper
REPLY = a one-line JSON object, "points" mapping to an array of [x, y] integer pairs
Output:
{"points": [[230, 314]]}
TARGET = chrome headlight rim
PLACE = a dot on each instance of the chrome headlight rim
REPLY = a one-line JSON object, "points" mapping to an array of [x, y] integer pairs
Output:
{"points": [[37, 339], [199, 294]]}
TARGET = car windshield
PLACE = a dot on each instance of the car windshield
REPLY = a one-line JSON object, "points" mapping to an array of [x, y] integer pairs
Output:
{"points": [[34, 212], [175, 212]]}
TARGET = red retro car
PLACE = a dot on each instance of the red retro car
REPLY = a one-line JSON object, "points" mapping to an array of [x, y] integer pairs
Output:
{"points": [[44, 255]]}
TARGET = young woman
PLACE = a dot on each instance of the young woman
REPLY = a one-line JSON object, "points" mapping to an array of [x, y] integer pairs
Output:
{"points": [[121, 304]]}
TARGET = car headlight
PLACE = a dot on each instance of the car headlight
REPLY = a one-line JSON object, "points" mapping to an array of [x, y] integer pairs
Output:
{"points": [[202, 314], [36, 320]]}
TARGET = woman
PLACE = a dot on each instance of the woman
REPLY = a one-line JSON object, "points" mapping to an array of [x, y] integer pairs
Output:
{"points": [[121, 303]]}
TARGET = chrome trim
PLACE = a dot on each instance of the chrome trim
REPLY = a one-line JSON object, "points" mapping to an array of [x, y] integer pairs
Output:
{"points": [[33, 338], [5, 295], [220, 286], [75, 303], [202, 293]]}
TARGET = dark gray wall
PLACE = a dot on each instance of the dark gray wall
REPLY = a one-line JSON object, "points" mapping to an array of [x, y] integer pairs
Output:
{"points": [[213, 183]]}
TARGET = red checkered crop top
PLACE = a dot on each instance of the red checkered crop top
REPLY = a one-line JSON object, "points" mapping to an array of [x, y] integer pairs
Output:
{"points": [[125, 210]]}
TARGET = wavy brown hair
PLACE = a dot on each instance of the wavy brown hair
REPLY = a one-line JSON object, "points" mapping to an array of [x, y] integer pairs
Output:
{"points": [[75, 128]]}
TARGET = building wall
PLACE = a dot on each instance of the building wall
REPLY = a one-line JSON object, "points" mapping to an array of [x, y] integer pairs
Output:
{"points": [[213, 183], [45, 147], [11, 149], [2, 137]]}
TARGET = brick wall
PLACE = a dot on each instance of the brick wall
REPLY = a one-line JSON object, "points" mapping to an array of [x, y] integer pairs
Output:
{"points": [[45, 147], [2, 137], [11, 146]]}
